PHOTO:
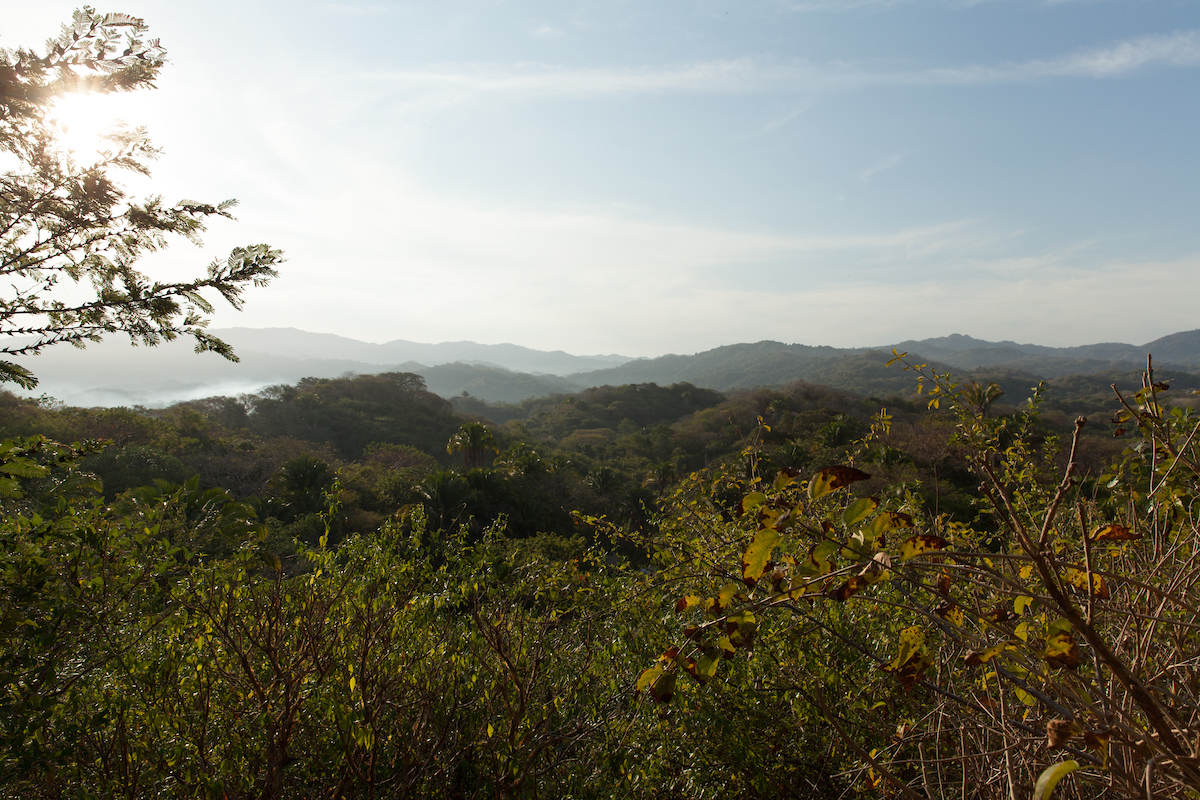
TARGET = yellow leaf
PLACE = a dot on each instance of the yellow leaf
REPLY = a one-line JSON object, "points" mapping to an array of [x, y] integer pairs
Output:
{"points": [[754, 560], [1050, 778], [831, 479], [1079, 579], [973, 658], [918, 545], [1021, 603], [951, 612]]}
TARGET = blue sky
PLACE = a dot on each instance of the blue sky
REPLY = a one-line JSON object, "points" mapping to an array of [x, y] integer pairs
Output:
{"points": [[668, 176]]}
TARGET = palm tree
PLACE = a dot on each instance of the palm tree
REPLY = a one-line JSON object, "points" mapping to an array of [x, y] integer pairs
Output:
{"points": [[981, 397], [473, 439]]}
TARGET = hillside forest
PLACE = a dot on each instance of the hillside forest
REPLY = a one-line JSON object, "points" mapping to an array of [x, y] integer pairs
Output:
{"points": [[351, 587]]}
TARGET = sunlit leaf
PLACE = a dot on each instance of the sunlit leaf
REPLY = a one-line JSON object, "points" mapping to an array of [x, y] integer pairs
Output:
{"points": [[887, 521], [1021, 603], [1000, 614], [859, 510], [1079, 579], [704, 669], [684, 603], [785, 477], [974, 659], [1050, 778], [754, 560], [951, 612], [741, 629], [831, 479], [751, 501], [716, 606], [918, 545]]}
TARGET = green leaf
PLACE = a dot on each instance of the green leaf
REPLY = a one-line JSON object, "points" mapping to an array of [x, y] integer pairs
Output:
{"points": [[24, 468], [663, 688], [818, 561], [752, 501], [754, 560], [859, 510], [704, 669], [1050, 778], [648, 677], [887, 521]]}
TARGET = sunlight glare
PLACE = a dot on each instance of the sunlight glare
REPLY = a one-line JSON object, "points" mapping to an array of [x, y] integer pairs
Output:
{"points": [[81, 122]]}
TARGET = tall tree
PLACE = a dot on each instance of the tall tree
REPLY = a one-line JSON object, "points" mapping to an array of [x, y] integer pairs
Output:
{"points": [[473, 439], [66, 225]]}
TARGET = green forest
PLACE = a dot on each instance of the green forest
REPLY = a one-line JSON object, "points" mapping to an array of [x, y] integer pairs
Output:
{"points": [[353, 587]]}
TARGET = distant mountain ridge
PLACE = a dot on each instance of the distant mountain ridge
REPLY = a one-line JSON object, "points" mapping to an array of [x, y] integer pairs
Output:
{"points": [[114, 373], [770, 363], [290, 342]]}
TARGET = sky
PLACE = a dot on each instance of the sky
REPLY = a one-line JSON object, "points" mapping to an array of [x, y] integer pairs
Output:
{"points": [[661, 176]]}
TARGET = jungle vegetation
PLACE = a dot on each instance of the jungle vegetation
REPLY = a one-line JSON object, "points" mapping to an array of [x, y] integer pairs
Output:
{"points": [[353, 588]]}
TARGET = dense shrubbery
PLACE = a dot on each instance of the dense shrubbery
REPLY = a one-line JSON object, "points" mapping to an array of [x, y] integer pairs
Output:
{"points": [[789, 625]]}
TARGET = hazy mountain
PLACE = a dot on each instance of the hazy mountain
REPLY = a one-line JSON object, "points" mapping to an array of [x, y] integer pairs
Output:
{"points": [[115, 373], [861, 369], [294, 343]]}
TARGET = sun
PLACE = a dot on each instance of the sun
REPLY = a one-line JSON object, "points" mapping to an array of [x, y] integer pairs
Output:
{"points": [[81, 122]]}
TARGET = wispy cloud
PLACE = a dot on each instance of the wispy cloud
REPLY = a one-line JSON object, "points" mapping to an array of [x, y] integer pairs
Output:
{"points": [[547, 31], [887, 163], [783, 119], [750, 75]]}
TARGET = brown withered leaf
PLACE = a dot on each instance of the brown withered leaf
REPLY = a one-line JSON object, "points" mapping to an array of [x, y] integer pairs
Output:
{"points": [[684, 603], [1061, 651], [1097, 740], [911, 670], [1000, 614], [1059, 732], [692, 632], [851, 587], [1114, 533], [779, 581], [943, 584], [1118, 432]]}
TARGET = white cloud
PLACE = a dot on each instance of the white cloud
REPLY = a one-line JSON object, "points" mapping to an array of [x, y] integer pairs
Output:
{"points": [[750, 75]]}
